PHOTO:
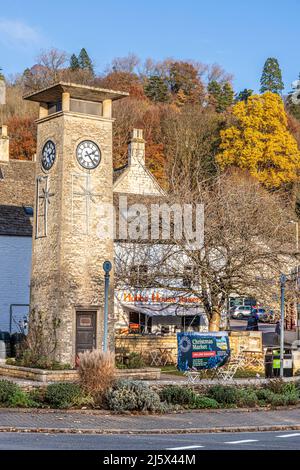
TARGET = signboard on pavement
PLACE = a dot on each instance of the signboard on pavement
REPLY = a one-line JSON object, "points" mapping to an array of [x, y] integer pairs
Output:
{"points": [[202, 350]]}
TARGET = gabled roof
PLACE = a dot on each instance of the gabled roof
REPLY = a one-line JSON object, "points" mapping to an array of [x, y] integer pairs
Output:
{"points": [[129, 172], [14, 221], [118, 172]]}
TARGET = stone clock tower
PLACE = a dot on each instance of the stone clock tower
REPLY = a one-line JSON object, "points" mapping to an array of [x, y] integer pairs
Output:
{"points": [[74, 179]]}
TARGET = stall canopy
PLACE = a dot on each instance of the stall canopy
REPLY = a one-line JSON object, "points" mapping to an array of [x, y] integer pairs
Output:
{"points": [[165, 310]]}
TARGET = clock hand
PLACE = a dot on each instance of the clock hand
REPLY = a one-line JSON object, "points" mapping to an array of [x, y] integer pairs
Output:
{"points": [[88, 155]]}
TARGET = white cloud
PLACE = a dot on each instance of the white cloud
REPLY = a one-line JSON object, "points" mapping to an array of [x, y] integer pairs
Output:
{"points": [[16, 33]]}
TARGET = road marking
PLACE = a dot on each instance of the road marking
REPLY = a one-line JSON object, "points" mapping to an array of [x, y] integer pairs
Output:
{"points": [[241, 442], [184, 448], [289, 435]]}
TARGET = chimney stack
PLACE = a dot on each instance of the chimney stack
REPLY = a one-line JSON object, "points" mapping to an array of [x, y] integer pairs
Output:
{"points": [[136, 148], [4, 144]]}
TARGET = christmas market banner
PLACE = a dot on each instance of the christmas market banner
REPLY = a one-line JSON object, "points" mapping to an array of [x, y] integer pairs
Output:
{"points": [[202, 350]]}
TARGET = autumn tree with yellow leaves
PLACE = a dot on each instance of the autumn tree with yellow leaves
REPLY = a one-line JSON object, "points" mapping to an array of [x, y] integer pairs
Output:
{"points": [[260, 142]]}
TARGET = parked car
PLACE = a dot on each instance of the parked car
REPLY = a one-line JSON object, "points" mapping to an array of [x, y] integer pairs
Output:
{"points": [[242, 311], [265, 315]]}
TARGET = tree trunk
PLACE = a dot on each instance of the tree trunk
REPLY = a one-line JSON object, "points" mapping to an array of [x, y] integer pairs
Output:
{"points": [[215, 319]]}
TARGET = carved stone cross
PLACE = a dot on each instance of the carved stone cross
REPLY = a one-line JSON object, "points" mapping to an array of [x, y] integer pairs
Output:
{"points": [[42, 203], [82, 197]]}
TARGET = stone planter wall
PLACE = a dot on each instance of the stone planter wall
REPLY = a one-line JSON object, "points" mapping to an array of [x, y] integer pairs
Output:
{"points": [[49, 376], [143, 344]]}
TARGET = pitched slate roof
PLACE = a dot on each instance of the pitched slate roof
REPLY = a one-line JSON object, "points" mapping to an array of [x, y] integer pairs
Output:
{"points": [[119, 171], [16, 191], [14, 221]]}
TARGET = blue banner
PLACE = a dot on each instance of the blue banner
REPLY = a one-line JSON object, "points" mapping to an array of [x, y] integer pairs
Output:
{"points": [[202, 350]]}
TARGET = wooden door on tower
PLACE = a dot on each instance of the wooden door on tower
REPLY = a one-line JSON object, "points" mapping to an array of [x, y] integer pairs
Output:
{"points": [[85, 331]]}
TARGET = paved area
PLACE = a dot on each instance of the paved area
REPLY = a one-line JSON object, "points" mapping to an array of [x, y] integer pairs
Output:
{"points": [[267, 329], [195, 421], [173, 443]]}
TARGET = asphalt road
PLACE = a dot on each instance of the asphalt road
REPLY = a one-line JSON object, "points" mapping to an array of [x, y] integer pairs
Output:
{"points": [[268, 330], [180, 442]]}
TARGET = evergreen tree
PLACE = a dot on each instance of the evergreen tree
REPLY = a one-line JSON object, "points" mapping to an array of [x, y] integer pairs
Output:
{"points": [[244, 95], [227, 96], [1, 74], [156, 89], [271, 79], [74, 62], [85, 63], [222, 95]]}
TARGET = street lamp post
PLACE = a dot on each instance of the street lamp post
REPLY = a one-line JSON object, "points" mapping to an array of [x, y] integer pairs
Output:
{"points": [[282, 300], [296, 223], [107, 266]]}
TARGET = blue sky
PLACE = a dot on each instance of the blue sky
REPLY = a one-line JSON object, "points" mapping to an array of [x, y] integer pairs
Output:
{"points": [[239, 35]]}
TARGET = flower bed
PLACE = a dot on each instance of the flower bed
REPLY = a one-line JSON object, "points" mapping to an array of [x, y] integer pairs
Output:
{"points": [[125, 396]]}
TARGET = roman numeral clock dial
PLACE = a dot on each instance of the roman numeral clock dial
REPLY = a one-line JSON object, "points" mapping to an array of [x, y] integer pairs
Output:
{"points": [[48, 155], [88, 155]]}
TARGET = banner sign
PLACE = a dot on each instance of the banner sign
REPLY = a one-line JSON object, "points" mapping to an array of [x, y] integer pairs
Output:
{"points": [[202, 350]]}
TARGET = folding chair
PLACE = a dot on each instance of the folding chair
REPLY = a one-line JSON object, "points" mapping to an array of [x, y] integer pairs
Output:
{"points": [[192, 376], [227, 372]]}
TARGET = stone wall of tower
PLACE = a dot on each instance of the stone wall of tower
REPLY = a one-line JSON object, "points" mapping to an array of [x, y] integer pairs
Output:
{"points": [[67, 272]]}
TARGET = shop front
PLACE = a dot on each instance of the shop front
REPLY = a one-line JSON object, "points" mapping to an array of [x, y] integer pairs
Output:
{"points": [[158, 313]]}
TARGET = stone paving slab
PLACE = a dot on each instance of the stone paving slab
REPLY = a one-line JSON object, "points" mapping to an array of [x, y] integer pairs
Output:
{"points": [[195, 421]]}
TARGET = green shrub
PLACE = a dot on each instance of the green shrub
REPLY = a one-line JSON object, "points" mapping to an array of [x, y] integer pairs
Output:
{"points": [[224, 394], [7, 389], [63, 394], [13, 396], [132, 361], [280, 399], [204, 402], [20, 399], [247, 397], [27, 359], [265, 395], [289, 388], [178, 395], [135, 361], [130, 395], [289, 395]]}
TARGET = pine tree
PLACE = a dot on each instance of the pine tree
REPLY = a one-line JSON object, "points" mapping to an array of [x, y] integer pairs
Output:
{"points": [[1, 74], [244, 95], [156, 89], [85, 63], [271, 79], [222, 95], [74, 62], [260, 141], [227, 96]]}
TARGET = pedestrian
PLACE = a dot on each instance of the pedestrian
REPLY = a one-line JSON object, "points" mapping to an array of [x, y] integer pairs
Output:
{"points": [[277, 332], [252, 324]]}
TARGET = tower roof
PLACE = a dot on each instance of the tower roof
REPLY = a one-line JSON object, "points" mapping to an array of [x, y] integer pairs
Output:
{"points": [[53, 93]]}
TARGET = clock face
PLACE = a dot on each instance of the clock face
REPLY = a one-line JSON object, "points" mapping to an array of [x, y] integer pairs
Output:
{"points": [[48, 155], [88, 154]]}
